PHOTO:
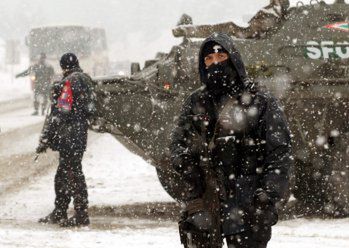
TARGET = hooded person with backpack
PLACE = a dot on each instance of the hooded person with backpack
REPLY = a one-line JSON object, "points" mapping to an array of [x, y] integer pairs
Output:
{"points": [[65, 131]]}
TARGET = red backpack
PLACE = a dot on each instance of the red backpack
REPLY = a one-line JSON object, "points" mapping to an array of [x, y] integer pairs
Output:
{"points": [[65, 100]]}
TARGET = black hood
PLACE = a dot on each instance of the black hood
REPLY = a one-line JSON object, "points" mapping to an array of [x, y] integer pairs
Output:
{"points": [[228, 44]]}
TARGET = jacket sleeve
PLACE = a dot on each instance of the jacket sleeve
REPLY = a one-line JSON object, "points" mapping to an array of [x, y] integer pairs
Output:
{"points": [[184, 159], [182, 139], [51, 121], [278, 158], [25, 73]]}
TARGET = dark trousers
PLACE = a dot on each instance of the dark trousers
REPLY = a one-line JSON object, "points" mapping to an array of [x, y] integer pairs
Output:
{"points": [[258, 238], [70, 182], [44, 103]]}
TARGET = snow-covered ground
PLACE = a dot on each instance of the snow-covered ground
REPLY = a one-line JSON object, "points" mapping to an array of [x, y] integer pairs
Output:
{"points": [[123, 177], [88, 238], [18, 119], [142, 234], [14, 88], [116, 177]]}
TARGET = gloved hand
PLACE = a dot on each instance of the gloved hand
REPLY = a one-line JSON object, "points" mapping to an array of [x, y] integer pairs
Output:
{"points": [[181, 163], [41, 148], [265, 213], [201, 220], [194, 181], [261, 199], [191, 175], [197, 215]]}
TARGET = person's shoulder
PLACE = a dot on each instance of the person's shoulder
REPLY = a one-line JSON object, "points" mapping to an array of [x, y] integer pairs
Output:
{"points": [[86, 76], [74, 76], [80, 80], [81, 75], [74, 79]]}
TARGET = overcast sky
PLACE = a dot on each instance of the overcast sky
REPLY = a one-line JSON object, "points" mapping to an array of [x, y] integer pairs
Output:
{"points": [[136, 29]]}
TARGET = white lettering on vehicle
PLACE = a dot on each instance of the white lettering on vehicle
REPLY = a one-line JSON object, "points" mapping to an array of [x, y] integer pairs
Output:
{"points": [[327, 49]]}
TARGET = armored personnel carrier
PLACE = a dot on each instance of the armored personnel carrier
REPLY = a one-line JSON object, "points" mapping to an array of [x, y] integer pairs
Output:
{"points": [[303, 60]]}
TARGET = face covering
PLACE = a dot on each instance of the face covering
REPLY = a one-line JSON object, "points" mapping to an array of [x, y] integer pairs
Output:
{"points": [[222, 79]]}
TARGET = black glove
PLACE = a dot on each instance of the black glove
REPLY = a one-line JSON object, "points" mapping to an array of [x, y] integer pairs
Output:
{"points": [[41, 148], [201, 220], [197, 216], [194, 180], [261, 199], [181, 163], [265, 213], [191, 174]]}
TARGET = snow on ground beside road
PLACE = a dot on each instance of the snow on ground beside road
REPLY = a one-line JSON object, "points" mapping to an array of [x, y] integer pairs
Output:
{"points": [[311, 233], [19, 132], [114, 176], [26, 145], [18, 88], [31, 203], [12, 88], [18, 119], [299, 233], [140, 238]]}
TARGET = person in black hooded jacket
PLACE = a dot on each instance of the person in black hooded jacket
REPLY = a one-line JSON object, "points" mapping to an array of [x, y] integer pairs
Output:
{"points": [[65, 131], [248, 141]]}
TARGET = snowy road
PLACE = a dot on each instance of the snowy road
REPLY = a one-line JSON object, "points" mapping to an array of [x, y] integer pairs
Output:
{"points": [[117, 178], [18, 139], [144, 233]]}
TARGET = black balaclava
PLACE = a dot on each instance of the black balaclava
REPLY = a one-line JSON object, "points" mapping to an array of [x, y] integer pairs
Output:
{"points": [[221, 78]]}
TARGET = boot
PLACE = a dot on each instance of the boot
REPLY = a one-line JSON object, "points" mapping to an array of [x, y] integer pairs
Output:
{"points": [[35, 112], [56, 217], [80, 218]]}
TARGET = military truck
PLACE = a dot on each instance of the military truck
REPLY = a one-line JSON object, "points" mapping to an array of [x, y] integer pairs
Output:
{"points": [[89, 44], [303, 60]]}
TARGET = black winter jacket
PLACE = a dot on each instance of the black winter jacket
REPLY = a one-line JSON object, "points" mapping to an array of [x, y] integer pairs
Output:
{"points": [[66, 131], [248, 139]]}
